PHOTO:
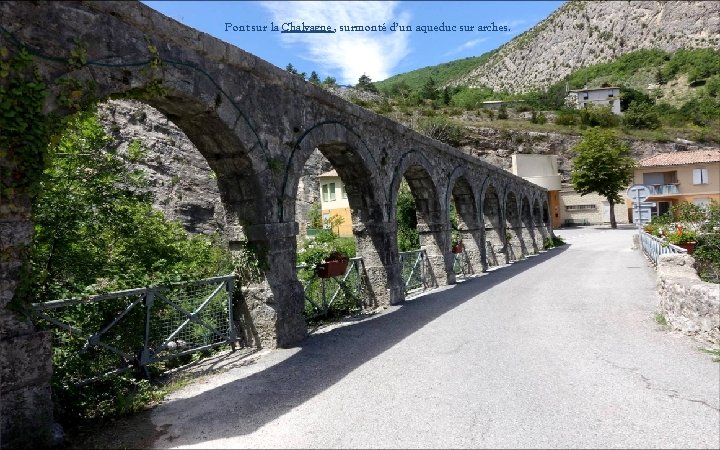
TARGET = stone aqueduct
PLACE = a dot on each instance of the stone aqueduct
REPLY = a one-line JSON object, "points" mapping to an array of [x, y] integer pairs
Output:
{"points": [[256, 125]]}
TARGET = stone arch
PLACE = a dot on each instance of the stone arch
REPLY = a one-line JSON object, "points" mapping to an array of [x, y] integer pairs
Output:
{"points": [[528, 226], [539, 220], [350, 157], [513, 227], [495, 251], [432, 215], [461, 191]]}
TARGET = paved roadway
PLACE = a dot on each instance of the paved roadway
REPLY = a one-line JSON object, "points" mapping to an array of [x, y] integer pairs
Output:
{"points": [[559, 350]]}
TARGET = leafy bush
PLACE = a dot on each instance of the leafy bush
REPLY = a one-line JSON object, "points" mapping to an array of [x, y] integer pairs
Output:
{"points": [[95, 232], [552, 242], [567, 117], [707, 257], [641, 115], [598, 116], [443, 129], [538, 117], [406, 216]]}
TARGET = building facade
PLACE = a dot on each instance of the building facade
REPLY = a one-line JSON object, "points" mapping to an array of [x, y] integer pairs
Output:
{"points": [[334, 204], [605, 96], [684, 176]]}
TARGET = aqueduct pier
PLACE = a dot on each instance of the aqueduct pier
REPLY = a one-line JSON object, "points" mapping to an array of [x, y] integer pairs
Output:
{"points": [[256, 125]]}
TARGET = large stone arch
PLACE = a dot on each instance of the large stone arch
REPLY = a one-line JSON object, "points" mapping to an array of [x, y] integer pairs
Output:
{"points": [[432, 216], [494, 225], [528, 226], [354, 163], [462, 191], [513, 226], [539, 220]]}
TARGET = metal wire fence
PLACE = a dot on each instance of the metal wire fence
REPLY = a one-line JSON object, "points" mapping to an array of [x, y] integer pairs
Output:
{"points": [[414, 270], [327, 297], [112, 333]]}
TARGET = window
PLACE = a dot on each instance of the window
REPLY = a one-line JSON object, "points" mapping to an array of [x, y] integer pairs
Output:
{"points": [[343, 192], [332, 191], [326, 220], [579, 207], [700, 176], [702, 202], [325, 197]]}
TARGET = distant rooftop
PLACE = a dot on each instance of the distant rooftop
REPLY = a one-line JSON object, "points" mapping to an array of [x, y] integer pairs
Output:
{"points": [[332, 173], [593, 89], [681, 158]]}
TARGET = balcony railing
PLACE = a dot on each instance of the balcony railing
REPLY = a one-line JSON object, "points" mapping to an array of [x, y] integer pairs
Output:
{"points": [[664, 189]]}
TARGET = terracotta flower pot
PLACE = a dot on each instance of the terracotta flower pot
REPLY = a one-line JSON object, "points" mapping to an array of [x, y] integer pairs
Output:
{"points": [[689, 246], [330, 269]]}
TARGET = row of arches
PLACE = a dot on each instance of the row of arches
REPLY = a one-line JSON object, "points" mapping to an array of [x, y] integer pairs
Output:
{"points": [[256, 125]]}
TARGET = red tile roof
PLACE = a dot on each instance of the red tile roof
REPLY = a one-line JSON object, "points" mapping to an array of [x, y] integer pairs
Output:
{"points": [[681, 158]]}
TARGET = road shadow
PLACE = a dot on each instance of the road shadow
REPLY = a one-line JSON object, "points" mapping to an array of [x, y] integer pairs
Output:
{"points": [[242, 406]]}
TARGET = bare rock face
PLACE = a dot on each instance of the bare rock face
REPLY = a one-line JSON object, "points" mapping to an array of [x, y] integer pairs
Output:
{"points": [[182, 184], [582, 33]]}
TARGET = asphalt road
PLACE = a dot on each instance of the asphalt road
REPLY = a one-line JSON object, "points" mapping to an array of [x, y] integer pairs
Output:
{"points": [[559, 350]]}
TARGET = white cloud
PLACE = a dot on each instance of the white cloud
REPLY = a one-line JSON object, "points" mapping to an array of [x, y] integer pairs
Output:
{"points": [[352, 53], [466, 46]]}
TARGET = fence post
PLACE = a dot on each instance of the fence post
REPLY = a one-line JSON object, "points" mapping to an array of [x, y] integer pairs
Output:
{"points": [[145, 357], [232, 333]]}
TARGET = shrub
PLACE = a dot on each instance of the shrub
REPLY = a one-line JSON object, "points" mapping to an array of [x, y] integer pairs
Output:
{"points": [[538, 117], [598, 116], [443, 129], [707, 257], [567, 117], [642, 116]]}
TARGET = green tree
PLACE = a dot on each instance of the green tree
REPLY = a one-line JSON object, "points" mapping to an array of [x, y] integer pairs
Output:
{"points": [[314, 78], [365, 84], [641, 115], [429, 90], [603, 165], [329, 81], [406, 216], [290, 68], [95, 231]]}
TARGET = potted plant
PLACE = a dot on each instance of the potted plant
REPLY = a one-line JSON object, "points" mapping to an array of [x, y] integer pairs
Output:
{"points": [[457, 245], [684, 238], [334, 265]]}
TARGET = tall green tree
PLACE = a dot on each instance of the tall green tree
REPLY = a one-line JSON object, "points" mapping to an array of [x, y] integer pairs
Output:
{"points": [[314, 78], [365, 84], [602, 164]]}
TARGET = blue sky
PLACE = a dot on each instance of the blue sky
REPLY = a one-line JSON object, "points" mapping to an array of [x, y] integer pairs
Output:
{"points": [[346, 55]]}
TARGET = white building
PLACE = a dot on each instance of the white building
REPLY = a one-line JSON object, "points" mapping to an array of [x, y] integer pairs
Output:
{"points": [[604, 96]]}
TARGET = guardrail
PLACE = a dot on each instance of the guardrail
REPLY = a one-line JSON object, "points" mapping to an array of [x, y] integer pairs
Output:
{"points": [[347, 293], [654, 247], [414, 270], [111, 333]]}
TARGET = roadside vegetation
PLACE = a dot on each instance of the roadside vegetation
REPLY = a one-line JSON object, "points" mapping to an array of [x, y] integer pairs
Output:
{"points": [[96, 232]]}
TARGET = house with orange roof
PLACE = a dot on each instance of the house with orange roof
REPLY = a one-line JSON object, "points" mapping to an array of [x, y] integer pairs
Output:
{"points": [[683, 176]]}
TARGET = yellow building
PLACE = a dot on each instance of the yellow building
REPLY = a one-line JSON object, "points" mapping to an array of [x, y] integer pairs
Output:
{"points": [[334, 202], [683, 176]]}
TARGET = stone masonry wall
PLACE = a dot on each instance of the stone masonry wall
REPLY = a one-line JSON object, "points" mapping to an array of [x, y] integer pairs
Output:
{"points": [[689, 304]]}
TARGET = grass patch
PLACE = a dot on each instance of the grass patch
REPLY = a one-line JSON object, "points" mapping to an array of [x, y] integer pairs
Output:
{"points": [[661, 320], [715, 352]]}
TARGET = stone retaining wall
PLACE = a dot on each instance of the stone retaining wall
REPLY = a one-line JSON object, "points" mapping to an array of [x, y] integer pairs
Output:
{"points": [[689, 304]]}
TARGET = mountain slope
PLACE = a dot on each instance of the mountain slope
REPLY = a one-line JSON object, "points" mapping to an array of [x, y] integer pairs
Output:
{"points": [[441, 73], [583, 33]]}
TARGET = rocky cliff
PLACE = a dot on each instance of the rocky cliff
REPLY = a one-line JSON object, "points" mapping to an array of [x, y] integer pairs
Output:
{"points": [[582, 33]]}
